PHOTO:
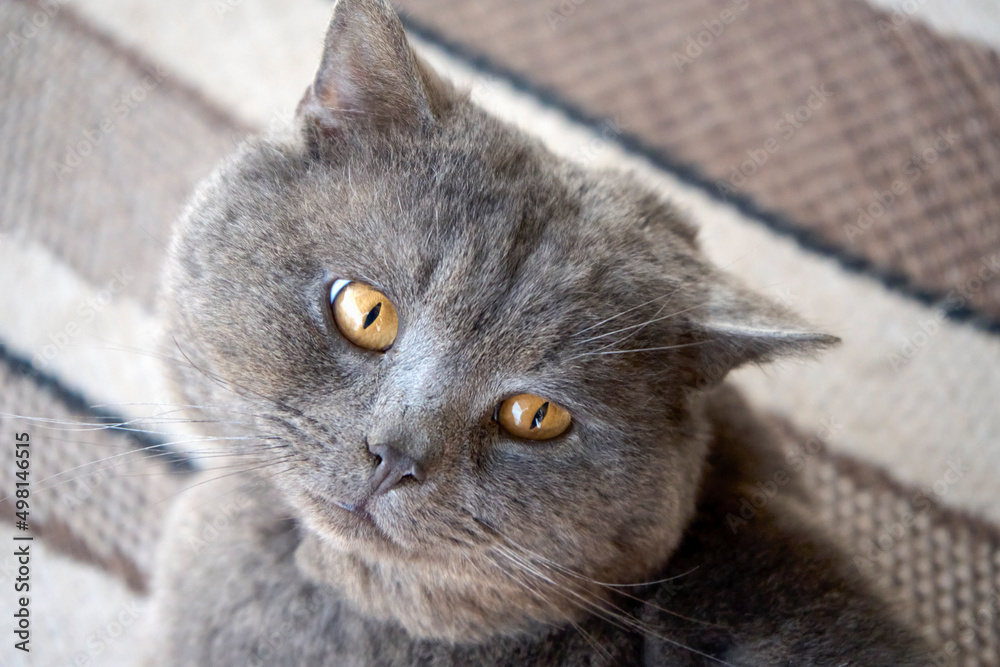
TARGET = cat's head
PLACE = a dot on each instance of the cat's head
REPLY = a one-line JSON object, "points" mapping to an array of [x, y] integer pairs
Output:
{"points": [[475, 367]]}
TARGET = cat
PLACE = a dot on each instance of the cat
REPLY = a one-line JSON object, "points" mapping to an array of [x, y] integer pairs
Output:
{"points": [[476, 407]]}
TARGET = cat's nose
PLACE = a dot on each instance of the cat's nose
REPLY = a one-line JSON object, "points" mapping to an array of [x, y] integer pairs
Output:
{"points": [[393, 467]]}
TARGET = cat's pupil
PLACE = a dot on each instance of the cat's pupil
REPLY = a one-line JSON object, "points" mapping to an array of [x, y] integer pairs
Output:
{"points": [[373, 315], [540, 415]]}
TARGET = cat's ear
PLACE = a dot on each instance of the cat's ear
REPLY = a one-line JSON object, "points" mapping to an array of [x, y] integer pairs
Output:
{"points": [[738, 326], [369, 77]]}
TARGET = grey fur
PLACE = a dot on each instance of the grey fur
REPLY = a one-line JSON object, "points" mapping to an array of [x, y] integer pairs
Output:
{"points": [[512, 271]]}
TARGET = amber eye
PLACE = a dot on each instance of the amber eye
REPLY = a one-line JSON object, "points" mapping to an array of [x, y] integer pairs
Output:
{"points": [[363, 315], [532, 417]]}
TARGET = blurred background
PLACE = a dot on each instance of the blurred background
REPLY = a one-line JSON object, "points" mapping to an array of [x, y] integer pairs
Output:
{"points": [[841, 156]]}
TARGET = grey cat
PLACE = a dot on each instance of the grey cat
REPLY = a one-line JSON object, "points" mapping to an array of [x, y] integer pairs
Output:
{"points": [[476, 406]]}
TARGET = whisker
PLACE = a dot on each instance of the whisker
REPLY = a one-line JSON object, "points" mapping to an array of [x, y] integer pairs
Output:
{"points": [[641, 325], [615, 615], [569, 571], [626, 312], [222, 383], [538, 595], [179, 407], [649, 583], [655, 318], [49, 423], [290, 456], [149, 452], [644, 349]]}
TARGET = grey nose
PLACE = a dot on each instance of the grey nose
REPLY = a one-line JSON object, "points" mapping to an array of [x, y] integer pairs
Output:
{"points": [[393, 467]]}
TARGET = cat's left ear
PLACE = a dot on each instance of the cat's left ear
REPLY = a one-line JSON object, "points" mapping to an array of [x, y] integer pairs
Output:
{"points": [[738, 326], [369, 77]]}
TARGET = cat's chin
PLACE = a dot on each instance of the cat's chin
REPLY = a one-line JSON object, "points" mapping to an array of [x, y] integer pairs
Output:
{"points": [[457, 600]]}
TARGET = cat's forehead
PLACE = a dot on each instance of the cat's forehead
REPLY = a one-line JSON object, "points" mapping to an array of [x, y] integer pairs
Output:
{"points": [[524, 247], [484, 239], [477, 209]]}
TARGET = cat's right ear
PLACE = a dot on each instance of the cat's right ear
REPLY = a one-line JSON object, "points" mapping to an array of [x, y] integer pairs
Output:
{"points": [[736, 326], [369, 77]]}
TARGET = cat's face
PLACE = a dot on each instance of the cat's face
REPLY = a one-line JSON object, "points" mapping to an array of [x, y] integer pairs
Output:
{"points": [[509, 272]]}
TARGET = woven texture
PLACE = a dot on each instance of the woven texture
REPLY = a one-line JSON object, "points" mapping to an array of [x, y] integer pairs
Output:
{"points": [[101, 149], [109, 150], [94, 493], [941, 567], [615, 60], [814, 110]]}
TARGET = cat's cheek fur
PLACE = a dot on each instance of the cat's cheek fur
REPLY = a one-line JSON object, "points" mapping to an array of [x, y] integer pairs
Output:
{"points": [[469, 596]]}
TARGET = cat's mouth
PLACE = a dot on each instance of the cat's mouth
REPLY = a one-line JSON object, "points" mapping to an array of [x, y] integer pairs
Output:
{"points": [[349, 519], [359, 510]]}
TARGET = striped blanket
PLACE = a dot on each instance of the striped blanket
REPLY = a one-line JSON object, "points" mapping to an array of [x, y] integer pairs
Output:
{"points": [[841, 156]]}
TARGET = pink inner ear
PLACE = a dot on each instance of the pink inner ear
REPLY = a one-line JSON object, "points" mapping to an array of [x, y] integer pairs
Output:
{"points": [[351, 70], [333, 97], [327, 95], [368, 72]]}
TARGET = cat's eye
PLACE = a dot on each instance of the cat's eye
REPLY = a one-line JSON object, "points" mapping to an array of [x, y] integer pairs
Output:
{"points": [[532, 417], [364, 315]]}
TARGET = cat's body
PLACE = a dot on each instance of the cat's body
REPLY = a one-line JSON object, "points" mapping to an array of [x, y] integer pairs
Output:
{"points": [[398, 512]]}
